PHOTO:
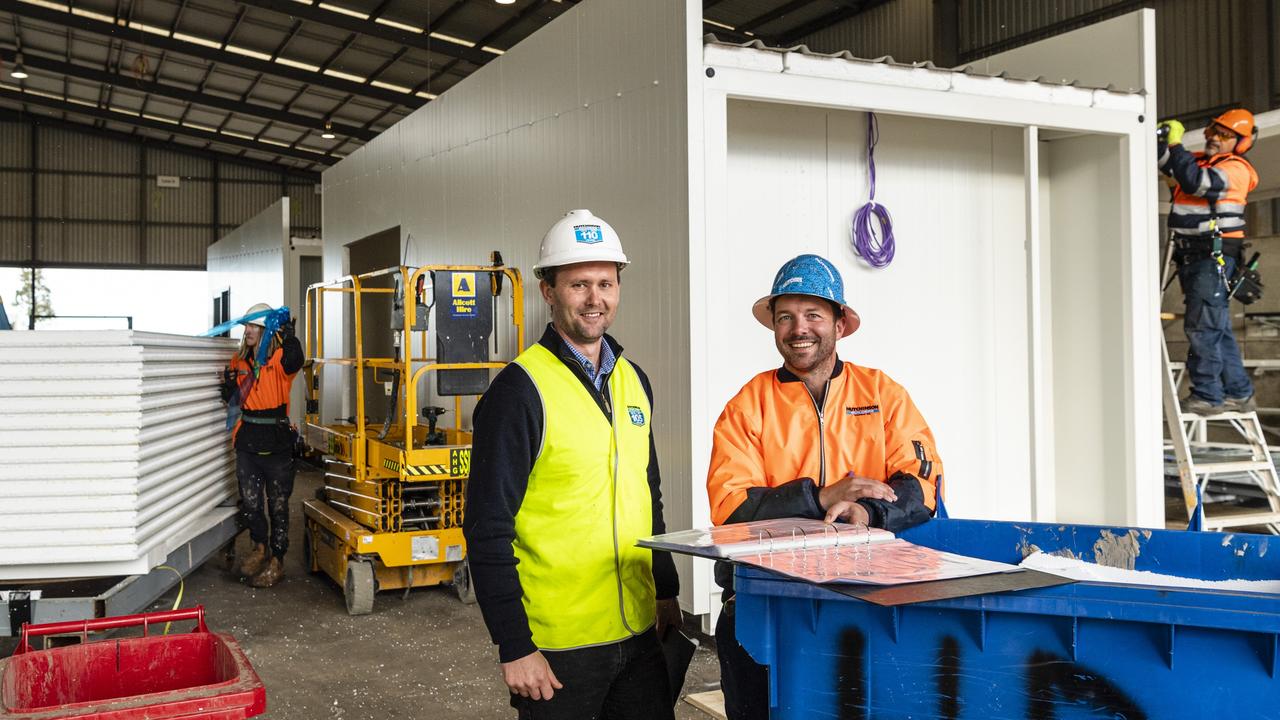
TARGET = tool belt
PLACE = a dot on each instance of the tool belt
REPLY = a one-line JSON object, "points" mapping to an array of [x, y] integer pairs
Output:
{"points": [[260, 420], [1193, 249]]}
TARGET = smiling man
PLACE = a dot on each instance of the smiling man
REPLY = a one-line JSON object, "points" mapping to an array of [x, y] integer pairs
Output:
{"points": [[564, 480], [817, 438]]}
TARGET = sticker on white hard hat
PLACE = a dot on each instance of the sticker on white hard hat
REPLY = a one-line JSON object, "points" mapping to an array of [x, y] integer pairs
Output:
{"points": [[588, 234]]}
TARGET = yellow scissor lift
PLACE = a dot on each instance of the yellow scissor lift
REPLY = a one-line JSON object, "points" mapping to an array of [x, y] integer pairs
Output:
{"points": [[390, 514]]}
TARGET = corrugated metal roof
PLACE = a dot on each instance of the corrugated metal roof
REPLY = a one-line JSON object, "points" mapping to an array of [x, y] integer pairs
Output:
{"points": [[711, 40], [361, 64]]}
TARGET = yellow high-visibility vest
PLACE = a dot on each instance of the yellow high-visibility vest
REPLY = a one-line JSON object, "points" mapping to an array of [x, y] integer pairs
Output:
{"points": [[585, 582]]}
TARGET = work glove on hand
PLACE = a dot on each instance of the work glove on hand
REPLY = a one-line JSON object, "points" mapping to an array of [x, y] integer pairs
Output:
{"points": [[228, 386], [1170, 132], [289, 329]]}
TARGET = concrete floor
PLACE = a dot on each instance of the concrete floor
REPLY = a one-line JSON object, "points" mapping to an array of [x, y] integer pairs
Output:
{"points": [[427, 655]]}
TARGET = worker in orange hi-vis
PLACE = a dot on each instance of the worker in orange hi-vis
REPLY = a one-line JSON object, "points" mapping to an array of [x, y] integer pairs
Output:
{"points": [[1207, 225], [258, 381], [817, 438]]}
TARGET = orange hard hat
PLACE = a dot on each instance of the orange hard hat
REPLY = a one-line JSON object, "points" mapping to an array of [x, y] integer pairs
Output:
{"points": [[1240, 122]]}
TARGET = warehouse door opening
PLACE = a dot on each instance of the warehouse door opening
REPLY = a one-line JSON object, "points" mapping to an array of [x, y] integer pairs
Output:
{"points": [[374, 252], [167, 301]]}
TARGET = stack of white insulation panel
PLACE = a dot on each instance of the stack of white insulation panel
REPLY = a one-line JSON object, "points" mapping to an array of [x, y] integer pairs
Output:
{"points": [[113, 450]]}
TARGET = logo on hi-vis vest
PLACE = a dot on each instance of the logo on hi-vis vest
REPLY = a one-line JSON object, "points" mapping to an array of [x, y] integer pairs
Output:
{"points": [[462, 303], [588, 234], [864, 410], [637, 415]]}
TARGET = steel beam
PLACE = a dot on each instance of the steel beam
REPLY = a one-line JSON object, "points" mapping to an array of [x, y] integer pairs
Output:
{"points": [[183, 95], [298, 174], [225, 57], [774, 14], [850, 9], [368, 28], [101, 114], [529, 10]]}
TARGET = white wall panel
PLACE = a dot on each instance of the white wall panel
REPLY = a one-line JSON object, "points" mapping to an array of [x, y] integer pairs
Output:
{"points": [[609, 108], [952, 303], [1026, 369], [257, 262], [588, 112], [1113, 57], [250, 260], [1087, 262]]}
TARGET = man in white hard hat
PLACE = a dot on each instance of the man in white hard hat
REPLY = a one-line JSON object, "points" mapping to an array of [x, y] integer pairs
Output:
{"points": [[564, 480], [258, 381]]}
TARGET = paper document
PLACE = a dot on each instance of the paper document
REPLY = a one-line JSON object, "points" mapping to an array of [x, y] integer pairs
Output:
{"points": [[887, 563], [820, 552], [763, 536]]}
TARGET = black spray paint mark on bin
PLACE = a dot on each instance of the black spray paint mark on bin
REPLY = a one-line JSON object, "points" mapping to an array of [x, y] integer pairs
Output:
{"points": [[948, 679], [851, 675], [1054, 681]]}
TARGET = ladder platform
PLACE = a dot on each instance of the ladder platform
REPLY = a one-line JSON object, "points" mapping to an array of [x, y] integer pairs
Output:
{"points": [[1215, 468], [1240, 520], [1231, 415]]}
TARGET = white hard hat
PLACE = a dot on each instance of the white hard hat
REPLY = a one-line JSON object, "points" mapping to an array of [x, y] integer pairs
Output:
{"points": [[577, 237], [259, 321]]}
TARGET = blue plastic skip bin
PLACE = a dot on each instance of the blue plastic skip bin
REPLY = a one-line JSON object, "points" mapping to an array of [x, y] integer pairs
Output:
{"points": [[1085, 650]]}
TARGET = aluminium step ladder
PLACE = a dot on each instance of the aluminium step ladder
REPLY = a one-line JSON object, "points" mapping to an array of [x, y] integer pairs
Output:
{"points": [[1189, 432]]}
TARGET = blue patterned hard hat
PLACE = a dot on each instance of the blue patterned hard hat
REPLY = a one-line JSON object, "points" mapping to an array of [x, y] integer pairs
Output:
{"points": [[808, 275]]}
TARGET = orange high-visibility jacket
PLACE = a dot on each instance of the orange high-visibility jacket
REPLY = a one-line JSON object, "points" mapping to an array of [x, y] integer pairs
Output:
{"points": [[269, 395], [1208, 186], [773, 448]]}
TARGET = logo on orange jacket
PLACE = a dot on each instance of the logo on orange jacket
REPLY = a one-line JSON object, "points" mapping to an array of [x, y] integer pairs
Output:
{"points": [[864, 410]]}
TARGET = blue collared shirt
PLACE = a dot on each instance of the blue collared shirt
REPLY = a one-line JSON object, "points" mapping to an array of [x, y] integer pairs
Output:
{"points": [[607, 361]]}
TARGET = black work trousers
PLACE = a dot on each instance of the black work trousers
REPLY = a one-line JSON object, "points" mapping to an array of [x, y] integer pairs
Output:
{"points": [[269, 475], [626, 680], [744, 681]]}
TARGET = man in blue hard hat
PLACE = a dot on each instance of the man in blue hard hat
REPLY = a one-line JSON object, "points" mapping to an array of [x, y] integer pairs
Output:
{"points": [[817, 438]]}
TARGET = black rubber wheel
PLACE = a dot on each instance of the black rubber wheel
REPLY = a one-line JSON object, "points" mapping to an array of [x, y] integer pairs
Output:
{"points": [[462, 584], [308, 554]]}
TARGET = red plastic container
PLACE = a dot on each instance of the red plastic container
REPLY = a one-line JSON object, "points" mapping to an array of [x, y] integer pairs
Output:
{"points": [[197, 674]]}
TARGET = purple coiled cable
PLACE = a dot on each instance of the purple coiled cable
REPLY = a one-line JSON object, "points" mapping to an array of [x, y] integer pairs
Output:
{"points": [[875, 248]]}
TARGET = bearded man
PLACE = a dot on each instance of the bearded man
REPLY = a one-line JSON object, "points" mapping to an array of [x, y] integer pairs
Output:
{"points": [[818, 438]]}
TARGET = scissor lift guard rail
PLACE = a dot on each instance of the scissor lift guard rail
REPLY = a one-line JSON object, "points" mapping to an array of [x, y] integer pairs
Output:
{"points": [[390, 513]]}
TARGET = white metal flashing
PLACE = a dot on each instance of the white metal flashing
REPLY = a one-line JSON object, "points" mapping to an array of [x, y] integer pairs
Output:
{"points": [[799, 61]]}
